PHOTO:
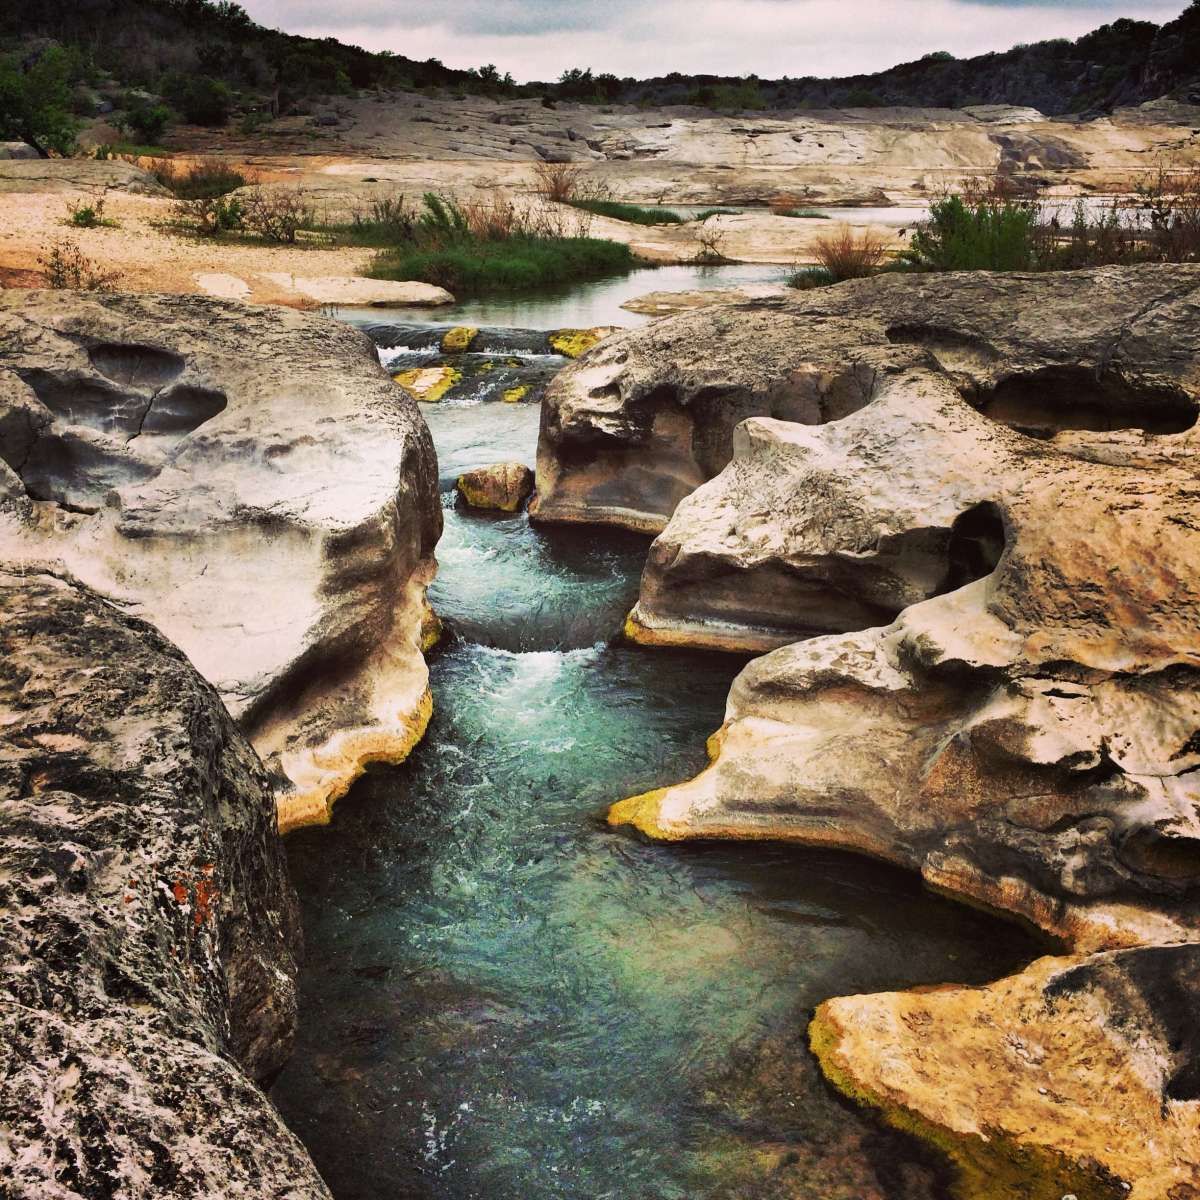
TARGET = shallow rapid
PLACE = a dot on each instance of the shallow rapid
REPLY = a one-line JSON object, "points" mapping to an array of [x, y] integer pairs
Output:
{"points": [[505, 1000]]}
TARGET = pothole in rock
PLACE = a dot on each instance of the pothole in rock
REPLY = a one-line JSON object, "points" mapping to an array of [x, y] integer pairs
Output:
{"points": [[86, 434], [1055, 399]]}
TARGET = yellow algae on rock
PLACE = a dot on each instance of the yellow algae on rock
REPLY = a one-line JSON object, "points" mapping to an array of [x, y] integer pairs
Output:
{"points": [[428, 384], [338, 764], [573, 342], [458, 340], [642, 813], [516, 394]]}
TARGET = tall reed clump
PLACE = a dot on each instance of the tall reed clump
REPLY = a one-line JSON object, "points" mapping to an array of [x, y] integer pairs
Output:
{"points": [[998, 228], [489, 246], [846, 253], [981, 235], [558, 181]]}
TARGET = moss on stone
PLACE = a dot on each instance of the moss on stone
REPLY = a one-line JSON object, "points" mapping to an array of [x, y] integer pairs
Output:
{"points": [[458, 340], [515, 395], [428, 384], [573, 342]]}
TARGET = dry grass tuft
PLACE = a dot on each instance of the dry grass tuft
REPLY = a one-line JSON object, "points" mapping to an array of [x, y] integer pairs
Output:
{"points": [[558, 181], [847, 254]]}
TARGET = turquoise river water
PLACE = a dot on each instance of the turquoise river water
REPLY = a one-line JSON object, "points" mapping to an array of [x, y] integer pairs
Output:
{"points": [[503, 999]]}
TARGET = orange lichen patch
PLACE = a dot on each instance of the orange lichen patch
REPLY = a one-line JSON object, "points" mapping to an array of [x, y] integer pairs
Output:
{"points": [[336, 765]]}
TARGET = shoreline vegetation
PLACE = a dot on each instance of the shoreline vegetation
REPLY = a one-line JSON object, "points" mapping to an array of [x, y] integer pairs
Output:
{"points": [[995, 225]]}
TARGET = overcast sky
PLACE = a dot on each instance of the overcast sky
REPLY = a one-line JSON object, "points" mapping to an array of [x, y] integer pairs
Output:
{"points": [[538, 39]]}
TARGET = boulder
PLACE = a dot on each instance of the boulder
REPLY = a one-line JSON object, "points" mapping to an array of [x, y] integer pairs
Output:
{"points": [[994, 528], [505, 486], [251, 482], [11, 150], [147, 926]]}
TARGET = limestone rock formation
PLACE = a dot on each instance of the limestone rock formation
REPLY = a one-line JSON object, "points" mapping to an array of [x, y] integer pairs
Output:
{"points": [[251, 482], [998, 535], [649, 415], [147, 925], [504, 486]]}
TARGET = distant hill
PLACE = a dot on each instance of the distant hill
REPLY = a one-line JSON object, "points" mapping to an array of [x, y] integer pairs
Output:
{"points": [[141, 43], [1123, 63]]}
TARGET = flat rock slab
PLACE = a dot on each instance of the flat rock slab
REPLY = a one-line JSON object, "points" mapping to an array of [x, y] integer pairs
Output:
{"points": [[351, 290], [75, 174], [250, 481]]}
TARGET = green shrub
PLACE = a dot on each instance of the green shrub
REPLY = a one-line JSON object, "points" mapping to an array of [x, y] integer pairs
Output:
{"points": [[211, 216], [474, 268], [632, 213], [803, 279], [201, 99], [979, 235], [204, 179], [90, 215], [148, 122], [35, 104], [715, 212]]}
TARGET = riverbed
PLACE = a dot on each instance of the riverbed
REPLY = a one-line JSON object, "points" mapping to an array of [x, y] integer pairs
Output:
{"points": [[504, 999]]}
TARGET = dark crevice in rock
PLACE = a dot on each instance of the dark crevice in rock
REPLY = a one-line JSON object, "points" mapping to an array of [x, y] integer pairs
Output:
{"points": [[1053, 399], [976, 545]]}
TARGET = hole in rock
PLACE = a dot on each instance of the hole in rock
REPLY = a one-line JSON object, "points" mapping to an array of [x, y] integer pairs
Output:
{"points": [[1153, 853], [182, 409], [95, 403], [1054, 399], [144, 367], [77, 471], [976, 544], [954, 350]]}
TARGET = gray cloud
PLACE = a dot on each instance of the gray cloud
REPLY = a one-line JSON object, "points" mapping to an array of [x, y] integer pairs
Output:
{"points": [[538, 39]]}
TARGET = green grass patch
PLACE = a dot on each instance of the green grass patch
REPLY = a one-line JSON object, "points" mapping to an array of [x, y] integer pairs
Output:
{"points": [[716, 212], [810, 214], [513, 265], [635, 214]]}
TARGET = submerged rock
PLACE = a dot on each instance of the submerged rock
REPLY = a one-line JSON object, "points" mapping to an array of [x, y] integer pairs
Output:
{"points": [[252, 483], [996, 525], [505, 486], [147, 925]]}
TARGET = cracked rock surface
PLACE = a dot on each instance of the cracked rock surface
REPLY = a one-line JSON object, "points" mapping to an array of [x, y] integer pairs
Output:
{"points": [[250, 481], [989, 513], [147, 925]]}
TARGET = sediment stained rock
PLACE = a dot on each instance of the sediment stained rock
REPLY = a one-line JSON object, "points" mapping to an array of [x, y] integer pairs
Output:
{"points": [[1008, 702], [147, 924], [251, 482]]}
